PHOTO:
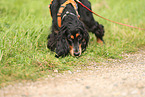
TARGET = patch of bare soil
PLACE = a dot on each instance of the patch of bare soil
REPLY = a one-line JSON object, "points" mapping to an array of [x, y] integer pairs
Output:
{"points": [[116, 78]]}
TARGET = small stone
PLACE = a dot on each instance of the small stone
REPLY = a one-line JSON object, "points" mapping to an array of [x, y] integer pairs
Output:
{"points": [[88, 87], [70, 72], [134, 92], [78, 71], [56, 71], [124, 78], [124, 94]]}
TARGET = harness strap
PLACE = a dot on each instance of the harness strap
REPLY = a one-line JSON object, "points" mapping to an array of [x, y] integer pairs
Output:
{"points": [[49, 6], [50, 3], [67, 14], [62, 7]]}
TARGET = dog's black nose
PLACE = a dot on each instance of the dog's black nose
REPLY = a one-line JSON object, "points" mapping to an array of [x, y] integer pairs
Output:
{"points": [[76, 53]]}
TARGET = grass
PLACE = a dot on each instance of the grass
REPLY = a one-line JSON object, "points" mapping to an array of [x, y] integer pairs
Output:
{"points": [[25, 24]]}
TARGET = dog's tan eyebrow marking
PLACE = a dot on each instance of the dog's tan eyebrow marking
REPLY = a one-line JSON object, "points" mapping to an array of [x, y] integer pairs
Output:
{"points": [[77, 34], [72, 37]]}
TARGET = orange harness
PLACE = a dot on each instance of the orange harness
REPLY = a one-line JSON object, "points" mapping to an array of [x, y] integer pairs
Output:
{"points": [[62, 7]]}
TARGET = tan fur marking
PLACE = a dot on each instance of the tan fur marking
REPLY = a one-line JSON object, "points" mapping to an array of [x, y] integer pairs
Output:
{"points": [[71, 50], [77, 34], [72, 37], [80, 48], [99, 41]]}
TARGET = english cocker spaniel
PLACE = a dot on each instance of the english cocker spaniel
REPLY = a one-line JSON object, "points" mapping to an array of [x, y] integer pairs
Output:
{"points": [[70, 25]]}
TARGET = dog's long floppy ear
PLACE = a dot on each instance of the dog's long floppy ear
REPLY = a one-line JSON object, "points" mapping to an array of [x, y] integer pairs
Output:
{"points": [[51, 44], [85, 38], [62, 47]]}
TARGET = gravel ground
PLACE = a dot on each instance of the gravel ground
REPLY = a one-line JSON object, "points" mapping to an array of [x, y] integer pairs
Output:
{"points": [[115, 78]]}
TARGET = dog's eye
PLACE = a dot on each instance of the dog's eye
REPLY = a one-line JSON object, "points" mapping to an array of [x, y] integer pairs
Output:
{"points": [[79, 37], [69, 38]]}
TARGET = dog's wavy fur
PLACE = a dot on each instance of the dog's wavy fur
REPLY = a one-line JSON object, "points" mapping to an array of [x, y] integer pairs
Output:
{"points": [[72, 37]]}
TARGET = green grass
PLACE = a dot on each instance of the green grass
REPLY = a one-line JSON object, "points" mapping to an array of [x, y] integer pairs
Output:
{"points": [[25, 24]]}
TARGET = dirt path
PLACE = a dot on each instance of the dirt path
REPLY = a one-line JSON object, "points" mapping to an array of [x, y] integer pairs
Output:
{"points": [[116, 78]]}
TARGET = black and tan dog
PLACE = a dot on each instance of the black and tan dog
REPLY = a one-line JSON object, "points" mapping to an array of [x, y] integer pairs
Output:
{"points": [[70, 23]]}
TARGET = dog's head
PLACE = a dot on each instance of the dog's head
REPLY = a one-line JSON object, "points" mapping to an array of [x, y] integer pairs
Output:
{"points": [[77, 41], [73, 39]]}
